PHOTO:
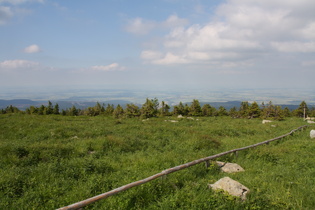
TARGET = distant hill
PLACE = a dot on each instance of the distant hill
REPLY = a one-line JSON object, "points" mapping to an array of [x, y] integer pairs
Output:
{"points": [[22, 104], [19, 103]]}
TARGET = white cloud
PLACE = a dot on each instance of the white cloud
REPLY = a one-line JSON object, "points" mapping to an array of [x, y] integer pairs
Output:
{"points": [[303, 47], [141, 26], [110, 67], [32, 49], [174, 21], [308, 31], [170, 58], [5, 14], [241, 32], [150, 55], [14, 9], [17, 64]]}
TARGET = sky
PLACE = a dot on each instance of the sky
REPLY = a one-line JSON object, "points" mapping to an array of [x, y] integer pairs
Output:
{"points": [[157, 43]]}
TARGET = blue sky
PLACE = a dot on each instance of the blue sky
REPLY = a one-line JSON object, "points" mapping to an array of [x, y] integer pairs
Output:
{"points": [[157, 44]]}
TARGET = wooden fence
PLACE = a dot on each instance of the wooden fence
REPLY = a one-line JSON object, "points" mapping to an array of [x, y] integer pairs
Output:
{"points": [[168, 171]]}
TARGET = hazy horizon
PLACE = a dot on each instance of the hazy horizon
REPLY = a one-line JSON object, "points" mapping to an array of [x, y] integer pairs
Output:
{"points": [[171, 96]]}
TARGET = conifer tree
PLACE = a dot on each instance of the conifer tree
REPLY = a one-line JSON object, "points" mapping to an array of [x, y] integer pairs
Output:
{"points": [[254, 110], [222, 111], [278, 115], [149, 108], [56, 109], [244, 109], [164, 110], [286, 112], [207, 110], [109, 109], [118, 112], [132, 111], [299, 112], [49, 109], [268, 111], [41, 110], [73, 111], [179, 109], [97, 109], [195, 108], [33, 110], [233, 112]]}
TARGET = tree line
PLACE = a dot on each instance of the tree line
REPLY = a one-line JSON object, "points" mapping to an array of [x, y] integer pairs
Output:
{"points": [[152, 108]]}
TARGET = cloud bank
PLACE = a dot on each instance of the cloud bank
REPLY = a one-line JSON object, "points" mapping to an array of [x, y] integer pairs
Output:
{"points": [[240, 32], [110, 67], [17, 64]]}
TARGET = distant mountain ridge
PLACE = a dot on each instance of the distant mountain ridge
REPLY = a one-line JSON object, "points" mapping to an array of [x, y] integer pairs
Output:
{"points": [[19, 103], [22, 104]]}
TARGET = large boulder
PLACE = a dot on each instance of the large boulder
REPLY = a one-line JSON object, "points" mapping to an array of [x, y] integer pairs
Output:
{"points": [[230, 186], [312, 134], [229, 167]]}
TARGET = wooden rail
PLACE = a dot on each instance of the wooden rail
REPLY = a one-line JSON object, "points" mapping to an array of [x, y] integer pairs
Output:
{"points": [[168, 171]]}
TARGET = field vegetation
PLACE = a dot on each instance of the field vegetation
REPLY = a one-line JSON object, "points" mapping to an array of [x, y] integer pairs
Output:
{"points": [[50, 161]]}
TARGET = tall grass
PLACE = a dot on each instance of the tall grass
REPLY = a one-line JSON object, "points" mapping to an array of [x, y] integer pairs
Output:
{"points": [[52, 161]]}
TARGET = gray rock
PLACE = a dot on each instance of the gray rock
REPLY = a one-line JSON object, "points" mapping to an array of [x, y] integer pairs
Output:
{"points": [[229, 167], [230, 186], [266, 121], [312, 134]]}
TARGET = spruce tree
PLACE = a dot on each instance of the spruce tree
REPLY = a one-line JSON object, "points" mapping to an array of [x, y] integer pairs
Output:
{"points": [[254, 110], [222, 111], [118, 112], [49, 109], [195, 108], [207, 110], [149, 108], [299, 112], [109, 110], [164, 110], [56, 109], [132, 111], [244, 109]]}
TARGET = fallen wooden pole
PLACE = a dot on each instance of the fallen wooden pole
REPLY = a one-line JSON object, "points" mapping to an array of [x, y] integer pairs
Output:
{"points": [[165, 172]]}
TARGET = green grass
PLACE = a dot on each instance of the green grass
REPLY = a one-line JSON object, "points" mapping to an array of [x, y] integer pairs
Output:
{"points": [[53, 161]]}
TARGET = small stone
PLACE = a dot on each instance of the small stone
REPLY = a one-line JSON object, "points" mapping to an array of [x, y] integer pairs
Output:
{"points": [[230, 186], [230, 167], [312, 134], [266, 121]]}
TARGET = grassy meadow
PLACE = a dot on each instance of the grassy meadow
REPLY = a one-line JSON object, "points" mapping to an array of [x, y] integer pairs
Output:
{"points": [[51, 161]]}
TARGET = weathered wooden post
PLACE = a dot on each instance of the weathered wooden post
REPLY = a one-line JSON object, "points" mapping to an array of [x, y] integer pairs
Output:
{"points": [[207, 163]]}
